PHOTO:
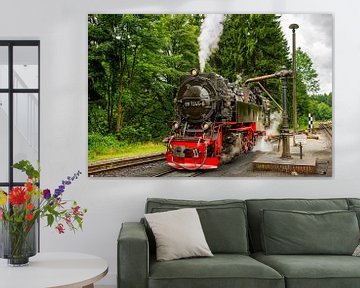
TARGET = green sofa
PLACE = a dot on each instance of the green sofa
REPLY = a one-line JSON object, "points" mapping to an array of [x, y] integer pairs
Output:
{"points": [[256, 243]]}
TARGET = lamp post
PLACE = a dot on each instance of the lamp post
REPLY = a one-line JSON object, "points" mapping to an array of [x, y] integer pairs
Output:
{"points": [[294, 26], [283, 74]]}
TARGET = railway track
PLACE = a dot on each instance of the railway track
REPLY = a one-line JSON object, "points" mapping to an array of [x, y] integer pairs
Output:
{"points": [[171, 172], [327, 128], [179, 173], [119, 163]]}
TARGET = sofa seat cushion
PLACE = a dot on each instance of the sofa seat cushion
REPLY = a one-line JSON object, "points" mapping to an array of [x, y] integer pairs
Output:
{"points": [[313, 271], [222, 270]]}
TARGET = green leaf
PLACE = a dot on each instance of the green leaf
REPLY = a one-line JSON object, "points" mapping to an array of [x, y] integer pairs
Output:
{"points": [[50, 219], [26, 167]]}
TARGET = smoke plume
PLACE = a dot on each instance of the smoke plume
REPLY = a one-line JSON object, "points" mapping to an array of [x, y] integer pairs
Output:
{"points": [[263, 144], [275, 121], [211, 30]]}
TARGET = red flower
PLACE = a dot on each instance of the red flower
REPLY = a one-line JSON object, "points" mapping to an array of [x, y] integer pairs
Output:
{"points": [[29, 217], [60, 228], [27, 196], [29, 206], [29, 186], [17, 196]]}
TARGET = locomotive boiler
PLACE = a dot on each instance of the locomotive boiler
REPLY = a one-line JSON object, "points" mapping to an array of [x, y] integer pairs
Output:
{"points": [[215, 121]]}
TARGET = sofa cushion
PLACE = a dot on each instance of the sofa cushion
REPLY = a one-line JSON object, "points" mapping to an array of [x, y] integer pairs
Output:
{"points": [[178, 234], [222, 270], [356, 209], [223, 221], [353, 201], [297, 232], [313, 271], [254, 216]]}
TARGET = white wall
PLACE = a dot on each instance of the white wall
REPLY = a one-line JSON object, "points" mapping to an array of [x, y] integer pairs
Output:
{"points": [[62, 28]]}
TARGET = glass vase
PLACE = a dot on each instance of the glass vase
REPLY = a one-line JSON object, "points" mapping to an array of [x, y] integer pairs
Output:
{"points": [[18, 242]]}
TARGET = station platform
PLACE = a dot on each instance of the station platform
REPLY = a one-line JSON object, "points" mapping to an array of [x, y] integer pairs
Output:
{"points": [[272, 161]]}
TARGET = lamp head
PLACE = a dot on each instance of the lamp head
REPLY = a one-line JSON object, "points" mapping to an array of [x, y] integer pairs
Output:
{"points": [[294, 26]]}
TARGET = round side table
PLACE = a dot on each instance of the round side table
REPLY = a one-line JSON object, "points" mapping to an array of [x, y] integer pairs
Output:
{"points": [[50, 270]]}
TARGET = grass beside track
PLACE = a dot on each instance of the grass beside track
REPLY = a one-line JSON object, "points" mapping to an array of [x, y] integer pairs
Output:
{"points": [[125, 151]]}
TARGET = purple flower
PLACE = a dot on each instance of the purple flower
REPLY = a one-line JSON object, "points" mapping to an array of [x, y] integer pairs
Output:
{"points": [[46, 194], [66, 182], [58, 192]]}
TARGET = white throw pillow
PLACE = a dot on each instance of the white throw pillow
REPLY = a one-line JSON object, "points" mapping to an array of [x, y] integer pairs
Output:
{"points": [[357, 251], [178, 234]]}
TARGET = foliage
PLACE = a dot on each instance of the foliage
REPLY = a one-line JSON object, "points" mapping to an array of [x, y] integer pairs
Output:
{"points": [[321, 106], [324, 98], [251, 45], [307, 84], [306, 73], [28, 203], [107, 147], [135, 62]]}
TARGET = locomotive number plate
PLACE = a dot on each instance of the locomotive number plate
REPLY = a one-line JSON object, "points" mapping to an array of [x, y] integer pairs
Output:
{"points": [[194, 104]]}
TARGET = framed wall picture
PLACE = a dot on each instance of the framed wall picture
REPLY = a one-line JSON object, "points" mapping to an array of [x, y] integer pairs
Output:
{"points": [[210, 95]]}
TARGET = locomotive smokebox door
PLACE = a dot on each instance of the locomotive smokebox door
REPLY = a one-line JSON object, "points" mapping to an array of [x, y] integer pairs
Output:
{"points": [[197, 96]]}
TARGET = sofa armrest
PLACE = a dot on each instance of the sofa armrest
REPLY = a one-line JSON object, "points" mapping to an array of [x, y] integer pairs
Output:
{"points": [[133, 256]]}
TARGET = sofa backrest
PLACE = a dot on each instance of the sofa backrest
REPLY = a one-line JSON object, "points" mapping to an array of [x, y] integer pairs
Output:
{"points": [[223, 221], [256, 205]]}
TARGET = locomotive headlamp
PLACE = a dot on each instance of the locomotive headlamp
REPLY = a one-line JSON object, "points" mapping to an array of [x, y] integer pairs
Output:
{"points": [[194, 72]]}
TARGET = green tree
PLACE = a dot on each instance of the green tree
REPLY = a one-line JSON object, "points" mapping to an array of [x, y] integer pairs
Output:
{"points": [[321, 106], [306, 72], [324, 98], [134, 66], [308, 85], [251, 45], [324, 112]]}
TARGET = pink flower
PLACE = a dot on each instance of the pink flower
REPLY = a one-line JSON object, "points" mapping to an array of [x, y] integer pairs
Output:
{"points": [[68, 219], [60, 228], [76, 209], [1, 212]]}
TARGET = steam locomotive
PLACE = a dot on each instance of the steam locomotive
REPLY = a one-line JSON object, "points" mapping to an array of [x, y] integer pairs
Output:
{"points": [[215, 121]]}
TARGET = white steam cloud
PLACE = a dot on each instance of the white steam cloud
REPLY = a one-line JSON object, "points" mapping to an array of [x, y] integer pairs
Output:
{"points": [[263, 144], [211, 30], [275, 121]]}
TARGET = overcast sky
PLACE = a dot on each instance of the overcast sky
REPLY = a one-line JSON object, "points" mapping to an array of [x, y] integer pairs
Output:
{"points": [[315, 37]]}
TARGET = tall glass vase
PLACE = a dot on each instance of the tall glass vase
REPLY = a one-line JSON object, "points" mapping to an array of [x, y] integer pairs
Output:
{"points": [[18, 242]]}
